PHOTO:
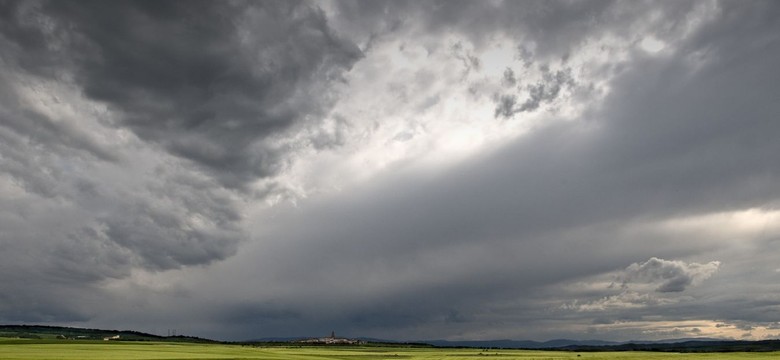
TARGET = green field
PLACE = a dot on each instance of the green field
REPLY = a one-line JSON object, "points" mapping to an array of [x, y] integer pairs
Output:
{"points": [[59, 349]]}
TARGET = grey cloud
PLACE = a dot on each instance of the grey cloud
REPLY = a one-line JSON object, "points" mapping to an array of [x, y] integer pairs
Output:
{"points": [[88, 255], [506, 106], [24, 131], [58, 135], [38, 286], [265, 313], [509, 79], [24, 172], [109, 230], [210, 86], [39, 306], [79, 239], [469, 60], [68, 217], [181, 220], [547, 90], [163, 240], [453, 316], [331, 137], [670, 276], [745, 327], [542, 92]]}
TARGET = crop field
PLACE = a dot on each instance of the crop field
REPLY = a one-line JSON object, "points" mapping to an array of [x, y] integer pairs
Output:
{"points": [[64, 350]]}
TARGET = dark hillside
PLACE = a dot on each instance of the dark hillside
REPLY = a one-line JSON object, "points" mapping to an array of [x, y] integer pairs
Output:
{"points": [[687, 346], [71, 333]]}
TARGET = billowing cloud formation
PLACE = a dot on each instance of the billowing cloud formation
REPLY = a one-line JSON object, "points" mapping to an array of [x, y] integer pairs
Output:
{"points": [[393, 169], [671, 276], [207, 81], [643, 285]]}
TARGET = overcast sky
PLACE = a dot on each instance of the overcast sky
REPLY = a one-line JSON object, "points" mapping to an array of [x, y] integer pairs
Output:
{"points": [[399, 170]]}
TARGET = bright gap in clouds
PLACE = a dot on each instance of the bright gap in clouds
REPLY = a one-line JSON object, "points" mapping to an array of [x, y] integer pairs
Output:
{"points": [[430, 103], [408, 103]]}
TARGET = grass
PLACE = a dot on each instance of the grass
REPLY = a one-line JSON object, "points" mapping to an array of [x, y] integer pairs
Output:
{"points": [[45, 349]]}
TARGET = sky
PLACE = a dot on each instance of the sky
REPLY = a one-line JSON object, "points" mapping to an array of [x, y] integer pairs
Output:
{"points": [[402, 170]]}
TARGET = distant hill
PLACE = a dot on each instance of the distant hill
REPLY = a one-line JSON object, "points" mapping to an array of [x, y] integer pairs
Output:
{"points": [[519, 344], [60, 332], [687, 346]]}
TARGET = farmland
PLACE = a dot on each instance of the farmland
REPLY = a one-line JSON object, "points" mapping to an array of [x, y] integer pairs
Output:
{"points": [[43, 349]]}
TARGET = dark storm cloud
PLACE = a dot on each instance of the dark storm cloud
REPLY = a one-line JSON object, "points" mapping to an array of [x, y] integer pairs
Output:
{"points": [[207, 81]]}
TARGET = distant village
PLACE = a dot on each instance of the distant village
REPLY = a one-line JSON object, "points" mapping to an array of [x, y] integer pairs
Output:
{"points": [[332, 340]]}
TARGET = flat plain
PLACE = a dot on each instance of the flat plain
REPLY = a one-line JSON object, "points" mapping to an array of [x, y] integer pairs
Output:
{"points": [[20, 349]]}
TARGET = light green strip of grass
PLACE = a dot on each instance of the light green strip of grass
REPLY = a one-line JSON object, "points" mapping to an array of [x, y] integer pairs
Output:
{"points": [[22, 349]]}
